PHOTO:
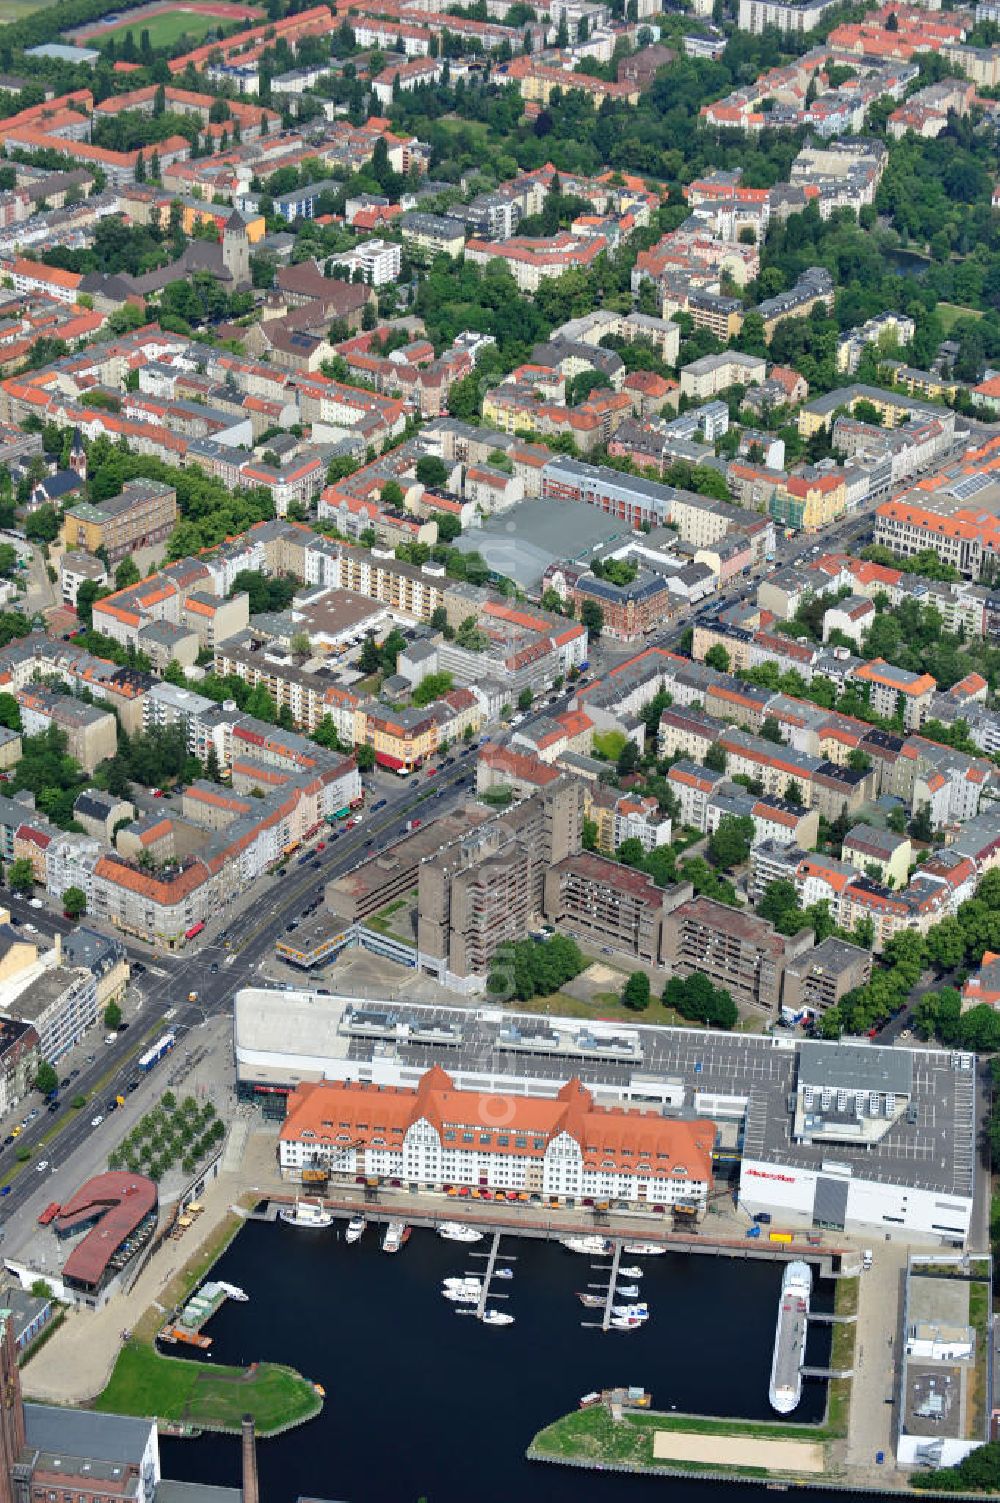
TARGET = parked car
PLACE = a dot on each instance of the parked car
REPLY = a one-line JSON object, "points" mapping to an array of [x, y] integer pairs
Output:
{"points": [[96, 1121], [42, 1165]]}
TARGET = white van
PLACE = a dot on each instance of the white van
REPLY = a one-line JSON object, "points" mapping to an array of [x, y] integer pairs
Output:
{"points": [[866, 1259]]}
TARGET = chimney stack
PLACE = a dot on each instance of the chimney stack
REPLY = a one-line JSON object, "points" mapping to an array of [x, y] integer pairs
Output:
{"points": [[251, 1492]]}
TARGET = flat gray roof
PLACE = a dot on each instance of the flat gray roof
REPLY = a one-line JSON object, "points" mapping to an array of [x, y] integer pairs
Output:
{"points": [[522, 542], [856, 1067], [86, 1433]]}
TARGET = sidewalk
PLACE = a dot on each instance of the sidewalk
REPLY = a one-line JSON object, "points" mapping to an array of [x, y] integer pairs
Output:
{"points": [[75, 1365]]}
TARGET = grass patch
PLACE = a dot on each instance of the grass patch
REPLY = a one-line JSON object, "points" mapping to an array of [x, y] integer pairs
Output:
{"points": [[191, 1393], [592, 1435], [950, 313], [980, 1302], [603, 1005], [609, 744], [382, 923], [838, 1403]]}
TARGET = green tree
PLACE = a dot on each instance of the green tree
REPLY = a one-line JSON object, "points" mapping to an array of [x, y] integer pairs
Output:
{"points": [[628, 759], [112, 1017], [636, 992], [74, 901], [21, 876], [370, 659], [731, 842], [365, 758], [431, 472], [524, 699], [592, 617], [717, 657], [127, 573], [715, 759], [46, 1079]]}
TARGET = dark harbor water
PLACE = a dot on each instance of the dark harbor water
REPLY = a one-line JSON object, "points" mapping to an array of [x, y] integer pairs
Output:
{"points": [[425, 1403]]}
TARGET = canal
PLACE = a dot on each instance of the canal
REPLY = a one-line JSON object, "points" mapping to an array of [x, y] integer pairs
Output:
{"points": [[425, 1403]]}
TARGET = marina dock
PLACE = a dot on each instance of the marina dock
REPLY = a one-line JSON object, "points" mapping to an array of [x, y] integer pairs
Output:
{"points": [[491, 1263], [612, 1282]]}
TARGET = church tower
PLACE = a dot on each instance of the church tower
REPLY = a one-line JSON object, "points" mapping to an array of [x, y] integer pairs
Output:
{"points": [[78, 455], [236, 250]]}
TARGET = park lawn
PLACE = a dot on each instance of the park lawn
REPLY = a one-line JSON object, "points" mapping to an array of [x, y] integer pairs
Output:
{"points": [[174, 1388], [164, 29], [950, 313]]}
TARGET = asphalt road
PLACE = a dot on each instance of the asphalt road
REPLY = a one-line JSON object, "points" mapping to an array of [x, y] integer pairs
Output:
{"points": [[237, 944], [169, 979]]}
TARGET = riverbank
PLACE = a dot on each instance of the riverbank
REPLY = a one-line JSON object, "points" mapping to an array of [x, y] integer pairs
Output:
{"points": [[85, 1363]]}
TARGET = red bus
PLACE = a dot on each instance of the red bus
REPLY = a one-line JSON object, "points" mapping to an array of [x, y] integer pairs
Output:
{"points": [[194, 929], [49, 1214]]}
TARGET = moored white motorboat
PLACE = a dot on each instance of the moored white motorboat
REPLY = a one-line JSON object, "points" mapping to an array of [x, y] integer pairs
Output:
{"points": [[503, 1273], [461, 1296], [644, 1249], [456, 1231], [591, 1244], [304, 1212], [628, 1291], [497, 1318], [355, 1229], [632, 1272], [233, 1291], [463, 1283], [397, 1234]]}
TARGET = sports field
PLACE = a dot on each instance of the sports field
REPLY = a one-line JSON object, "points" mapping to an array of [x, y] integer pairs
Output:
{"points": [[165, 23]]}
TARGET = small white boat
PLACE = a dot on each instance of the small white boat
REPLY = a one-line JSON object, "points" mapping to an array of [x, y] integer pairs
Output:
{"points": [[455, 1231], [306, 1213], [397, 1234], [593, 1301], [644, 1249], [355, 1229], [462, 1296], [593, 1245], [628, 1291], [466, 1283], [589, 1400], [497, 1318], [503, 1273], [633, 1272], [233, 1291], [641, 1311], [624, 1323]]}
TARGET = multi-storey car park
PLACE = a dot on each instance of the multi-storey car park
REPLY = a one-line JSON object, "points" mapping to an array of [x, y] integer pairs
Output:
{"points": [[837, 1135]]}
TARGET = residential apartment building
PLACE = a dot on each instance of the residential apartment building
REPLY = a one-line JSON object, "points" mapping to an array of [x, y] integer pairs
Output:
{"points": [[611, 905], [482, 890], [738, 952], [91, 733]]}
